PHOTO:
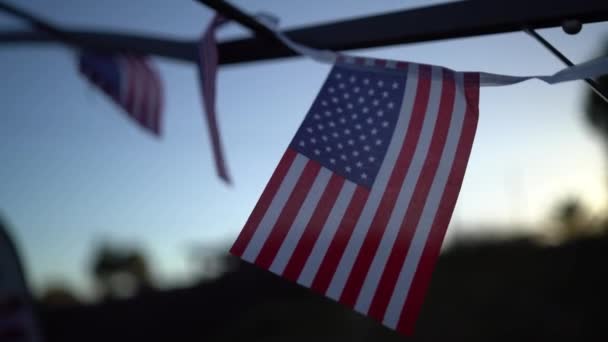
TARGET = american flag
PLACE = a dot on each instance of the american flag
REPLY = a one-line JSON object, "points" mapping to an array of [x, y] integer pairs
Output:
{"points": [[359, 204], [131, 81], [208, 60]]}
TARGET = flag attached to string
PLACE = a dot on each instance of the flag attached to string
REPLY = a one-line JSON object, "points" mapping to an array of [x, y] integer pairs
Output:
{"points": [[132, 82], [208, 61], [359, 204]]}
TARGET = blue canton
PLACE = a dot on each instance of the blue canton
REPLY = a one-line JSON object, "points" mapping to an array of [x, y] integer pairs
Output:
{"points": [[352, 120]]}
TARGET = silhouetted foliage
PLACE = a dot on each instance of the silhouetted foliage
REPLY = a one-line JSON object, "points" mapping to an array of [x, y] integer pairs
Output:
{"points": [[596, 108], [121, 272]]}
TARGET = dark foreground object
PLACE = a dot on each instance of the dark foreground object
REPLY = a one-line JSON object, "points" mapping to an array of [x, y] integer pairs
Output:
{"points": [[480, 292]]}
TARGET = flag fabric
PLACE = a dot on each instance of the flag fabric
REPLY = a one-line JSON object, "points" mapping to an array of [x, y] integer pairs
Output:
{"points": [[358, 206], [131, 81], [208, 61]]}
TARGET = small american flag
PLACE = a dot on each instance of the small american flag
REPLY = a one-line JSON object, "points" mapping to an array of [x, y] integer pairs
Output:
{"points": [[208, 60], [132, 82], [359, 204]]}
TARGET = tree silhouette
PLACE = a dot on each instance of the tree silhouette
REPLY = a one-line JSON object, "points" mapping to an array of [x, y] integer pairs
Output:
{"points": [[596, 109], [121, 272]]}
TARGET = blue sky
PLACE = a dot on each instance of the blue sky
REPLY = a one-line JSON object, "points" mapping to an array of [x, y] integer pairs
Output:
{"points": [[75, 171]]}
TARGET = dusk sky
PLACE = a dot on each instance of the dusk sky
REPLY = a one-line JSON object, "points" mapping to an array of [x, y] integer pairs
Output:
{"points": [[75, 171]]}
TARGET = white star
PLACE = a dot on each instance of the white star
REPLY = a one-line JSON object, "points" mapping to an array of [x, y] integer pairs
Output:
{"points": [[349, 105], [338, 75], [309, 129], [302, 143], [343, 157], [351, 142], [378, 142], [347, 169], [347, 131], [371, 92], [354, 116], [371, 159], [313, 140], [320, 127], [380, 83], [341, 85], [342, 120], [317, 116], [334, 99], [356, 89], [385, 94], [362, 137], [331, 124], [335, 134], [352, 79], [355, 153], [328, 149], [327, 113], [380, 113], [370, 121], [395, 85], [339, 110], [390, 105], [374, 131], [317, 152], [340, 146], [324, 138], [366, 147], [365, 109], [357, 126], [364, 176], [361, 99], [332, 160], [384, 123], [324, 103], [366, 81], [331, 89], [346, 95], [359, 164]]}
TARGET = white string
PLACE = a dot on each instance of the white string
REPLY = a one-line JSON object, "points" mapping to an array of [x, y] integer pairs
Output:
{"points": [[272, 22], [589, 69]]}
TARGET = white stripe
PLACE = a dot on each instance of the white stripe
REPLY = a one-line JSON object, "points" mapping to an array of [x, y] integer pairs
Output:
{"points": [[299, 224], [327, 234], [405, 195], [395, 306], [354, 244], [274, 210]]}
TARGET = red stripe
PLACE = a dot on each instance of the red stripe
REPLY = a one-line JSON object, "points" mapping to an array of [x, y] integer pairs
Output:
{"points": [[412, 216], [338, 244], [431, 251], [130, 74], [288, 214], [208, 63], [263, 203], [387, 203], [143, 114], [153, 98], [313, 228], [158, 111]]}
